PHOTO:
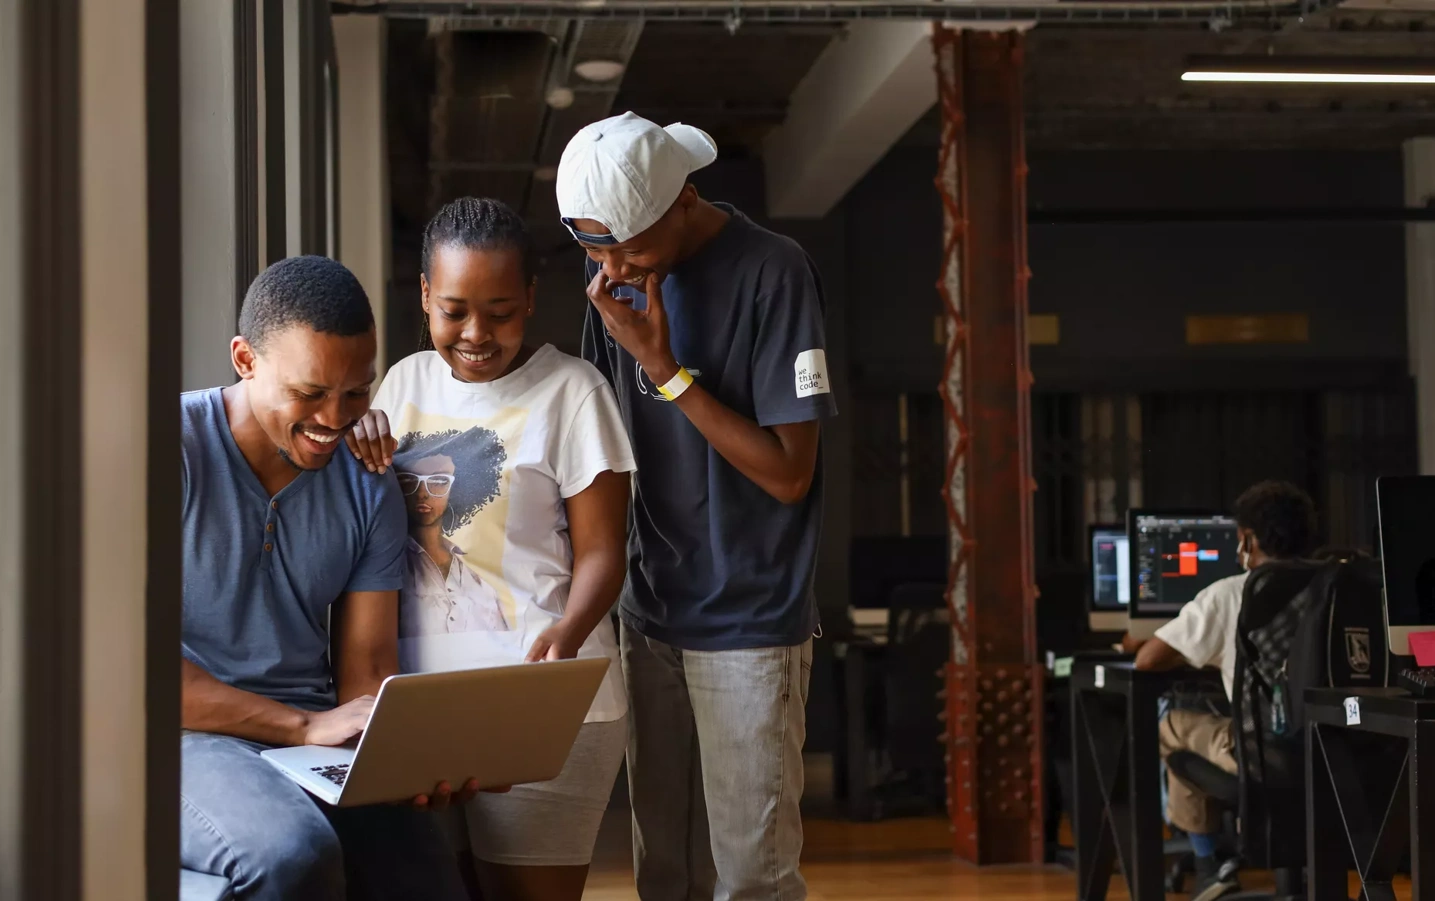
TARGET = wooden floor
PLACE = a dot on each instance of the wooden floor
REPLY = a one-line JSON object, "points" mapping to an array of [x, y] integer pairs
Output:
{"points": [[906, 859], [896, 859]]}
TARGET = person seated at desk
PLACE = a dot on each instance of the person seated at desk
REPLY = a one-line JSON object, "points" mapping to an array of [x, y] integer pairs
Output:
{"points": [[1274, 521], [276, 536]]}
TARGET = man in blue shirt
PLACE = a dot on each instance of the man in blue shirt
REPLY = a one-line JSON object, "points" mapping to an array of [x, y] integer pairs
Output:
{"points": [[710, 329], [278, 538]]}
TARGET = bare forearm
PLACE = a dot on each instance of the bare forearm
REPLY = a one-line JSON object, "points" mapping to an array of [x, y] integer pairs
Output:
{"points": [[208, 705], [597, 579], [363, 677], [365, 648], [1157, 656], [752, 450]]}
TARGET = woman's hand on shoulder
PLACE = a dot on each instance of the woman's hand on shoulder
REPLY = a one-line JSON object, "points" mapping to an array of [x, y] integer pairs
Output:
{"points": [[372, 442]]}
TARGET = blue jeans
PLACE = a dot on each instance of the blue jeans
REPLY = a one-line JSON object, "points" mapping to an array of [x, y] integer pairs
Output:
{"points": [[242, 819], [715, 770]]}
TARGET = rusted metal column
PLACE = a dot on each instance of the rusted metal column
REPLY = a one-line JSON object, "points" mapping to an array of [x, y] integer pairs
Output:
{"points": [[994, 684]]}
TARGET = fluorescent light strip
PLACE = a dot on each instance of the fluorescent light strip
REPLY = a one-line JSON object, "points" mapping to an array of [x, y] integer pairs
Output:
{"points": [[1309, 77]]}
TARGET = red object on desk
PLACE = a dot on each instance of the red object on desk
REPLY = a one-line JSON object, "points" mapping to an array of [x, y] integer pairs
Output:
{"points": [[1422, 645]]}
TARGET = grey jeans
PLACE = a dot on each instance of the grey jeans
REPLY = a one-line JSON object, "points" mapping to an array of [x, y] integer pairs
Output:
{"points": [[242, 819], [715, 770]]}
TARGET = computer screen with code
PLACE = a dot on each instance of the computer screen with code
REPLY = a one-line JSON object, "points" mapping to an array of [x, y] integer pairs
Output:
{"points": [[1110, 568], [1175, 555]]}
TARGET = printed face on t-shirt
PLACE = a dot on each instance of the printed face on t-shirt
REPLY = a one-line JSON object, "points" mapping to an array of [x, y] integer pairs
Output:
{"points": [[448, 477], [426, 484]]}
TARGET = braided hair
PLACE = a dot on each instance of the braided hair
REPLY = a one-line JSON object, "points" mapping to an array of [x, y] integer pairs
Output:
{"points": [[476, 223]]}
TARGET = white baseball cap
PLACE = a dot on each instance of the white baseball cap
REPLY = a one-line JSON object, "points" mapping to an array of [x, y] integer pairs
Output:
{"points": [[626, 173]]}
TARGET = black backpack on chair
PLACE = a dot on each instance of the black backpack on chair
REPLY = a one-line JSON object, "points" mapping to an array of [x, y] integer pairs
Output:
{"points": [[1302, 625], [1341, 643], [1270, 757]]}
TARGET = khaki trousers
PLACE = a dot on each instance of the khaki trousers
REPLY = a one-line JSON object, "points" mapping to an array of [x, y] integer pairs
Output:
{"points": [[1209, 736]]}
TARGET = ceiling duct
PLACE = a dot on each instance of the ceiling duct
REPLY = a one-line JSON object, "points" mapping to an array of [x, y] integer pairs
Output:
{"points": [[736, 13], [491, 123]]}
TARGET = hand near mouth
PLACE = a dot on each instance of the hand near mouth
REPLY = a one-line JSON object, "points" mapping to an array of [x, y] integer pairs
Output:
{"points": [[642, 333]]}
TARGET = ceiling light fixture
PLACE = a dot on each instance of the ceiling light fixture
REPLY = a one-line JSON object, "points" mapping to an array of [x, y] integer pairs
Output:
{"points": [[560, 97], [599, 69], [1310, 70]]}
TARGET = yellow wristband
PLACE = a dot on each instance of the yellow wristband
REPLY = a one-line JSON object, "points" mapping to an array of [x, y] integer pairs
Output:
{"points": [[676, 385]]}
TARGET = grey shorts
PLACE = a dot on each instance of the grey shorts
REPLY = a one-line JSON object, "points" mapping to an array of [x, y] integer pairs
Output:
{"points": [[555, 823]]}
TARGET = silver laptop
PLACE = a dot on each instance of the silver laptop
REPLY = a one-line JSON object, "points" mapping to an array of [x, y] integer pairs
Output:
{"points": [[505, 725]]}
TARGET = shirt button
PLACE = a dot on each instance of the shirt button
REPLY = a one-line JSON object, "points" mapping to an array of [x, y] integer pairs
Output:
{"points": [[269, 547], [273, 505], [269, 527]]}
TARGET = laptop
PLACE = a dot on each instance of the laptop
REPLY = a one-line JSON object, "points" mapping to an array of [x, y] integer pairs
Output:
{"points": [[505, 725]]}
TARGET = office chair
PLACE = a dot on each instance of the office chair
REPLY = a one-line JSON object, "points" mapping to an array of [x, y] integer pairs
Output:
{"points": [[1267, 793], [1225, 789]]}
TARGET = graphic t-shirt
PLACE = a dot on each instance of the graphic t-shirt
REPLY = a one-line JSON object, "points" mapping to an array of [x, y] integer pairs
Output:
{"points": [[485, 469], [715, 562]]}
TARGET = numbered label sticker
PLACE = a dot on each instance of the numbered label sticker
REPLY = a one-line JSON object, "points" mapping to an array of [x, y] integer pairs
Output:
{"points": [[1352, 711], [1100, 676]]}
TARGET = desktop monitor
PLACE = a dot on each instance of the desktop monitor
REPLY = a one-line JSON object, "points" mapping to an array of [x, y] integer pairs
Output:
{"points": [[1174, 555], [1407, 555], [1109, 591]]}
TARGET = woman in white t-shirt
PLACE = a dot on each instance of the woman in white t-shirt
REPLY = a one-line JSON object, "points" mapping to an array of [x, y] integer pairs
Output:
{"points": [[516, 467]]}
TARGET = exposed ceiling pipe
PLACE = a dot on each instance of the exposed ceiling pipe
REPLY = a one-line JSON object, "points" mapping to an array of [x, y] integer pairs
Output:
{"points": [[737, 12]]}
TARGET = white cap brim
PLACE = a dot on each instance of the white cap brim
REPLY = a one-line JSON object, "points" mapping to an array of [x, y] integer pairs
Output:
{"points": [[699, 145]]}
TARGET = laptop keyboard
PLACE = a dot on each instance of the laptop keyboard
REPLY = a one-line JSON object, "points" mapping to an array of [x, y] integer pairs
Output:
{"points": [[335, 773]]}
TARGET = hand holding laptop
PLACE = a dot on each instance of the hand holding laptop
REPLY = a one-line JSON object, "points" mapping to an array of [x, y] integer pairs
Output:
{"points": [[517, 726]]}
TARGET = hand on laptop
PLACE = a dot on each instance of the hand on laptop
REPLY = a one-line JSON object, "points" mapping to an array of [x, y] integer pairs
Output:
{"points": [[335, 727], [443, 795], [554, 643]]}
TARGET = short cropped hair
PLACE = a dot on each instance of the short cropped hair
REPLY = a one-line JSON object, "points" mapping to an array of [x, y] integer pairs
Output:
{"points": [[312, 291], [1282, 517]]}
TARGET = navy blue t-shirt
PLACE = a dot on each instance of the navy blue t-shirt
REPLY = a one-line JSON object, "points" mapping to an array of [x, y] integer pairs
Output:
{"points": [[715, 562], [260, 572]]}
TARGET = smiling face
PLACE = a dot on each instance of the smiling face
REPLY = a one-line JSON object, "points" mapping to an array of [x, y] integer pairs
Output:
{"points": [[307, 389], [477, 302], [656, 250], [427, 498]]}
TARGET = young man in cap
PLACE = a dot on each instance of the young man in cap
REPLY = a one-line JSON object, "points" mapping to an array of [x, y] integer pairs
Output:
{"points": [[710, 330]]}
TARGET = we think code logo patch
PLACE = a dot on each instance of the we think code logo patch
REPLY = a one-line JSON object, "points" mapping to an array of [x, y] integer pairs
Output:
{"points": [[811, 368]]}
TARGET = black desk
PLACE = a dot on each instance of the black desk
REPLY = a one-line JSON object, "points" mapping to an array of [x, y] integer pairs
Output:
{"points": [[1370, 791], [1117, 766], [856, 660]]}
